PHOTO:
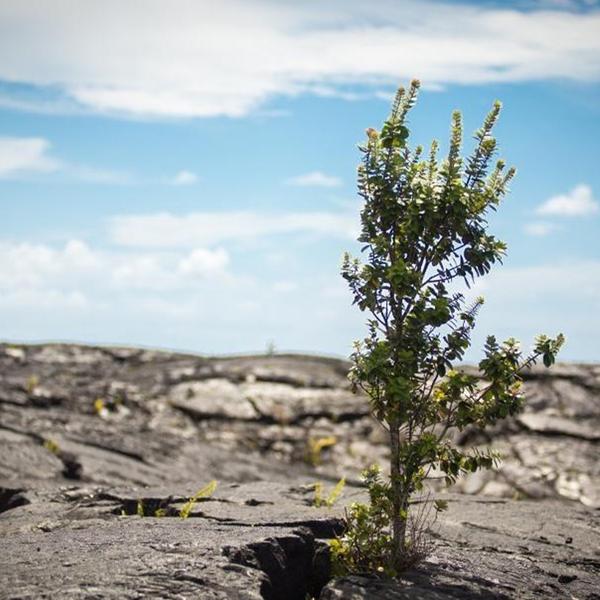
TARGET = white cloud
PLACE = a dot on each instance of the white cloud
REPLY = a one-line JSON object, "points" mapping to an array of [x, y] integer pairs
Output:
{"points": [[200, 58], [202, 262], [94, 175], [80, 256], [557, 282], [178, 299], [194, 299], [184, 178], [19, 155], [40, 299], [165, 230], [315, 179], [145, 271], [577, 203], [540, 228], [25, 156], [27, 266], [30, 268], [545, 298]]}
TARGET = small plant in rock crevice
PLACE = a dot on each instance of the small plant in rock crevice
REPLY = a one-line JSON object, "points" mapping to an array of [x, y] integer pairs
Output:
{"points": [[207, 491], [31, 384], [162, 507], [424, 230], [315, 447], [320, 499], [52, 446]]}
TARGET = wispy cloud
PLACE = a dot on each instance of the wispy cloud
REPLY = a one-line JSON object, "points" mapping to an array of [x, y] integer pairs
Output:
{"points": [[577, 203], [552, 286], [25, 157], [87, 174], [19, 155], [32, 156], [166, 230], [544, 298], [314, 179], [204, 59], [540, 228], [184, 178]]}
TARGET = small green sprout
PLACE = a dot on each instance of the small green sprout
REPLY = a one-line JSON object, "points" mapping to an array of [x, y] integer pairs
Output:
{"points": [[333, 496], [52, 446], [207, 491], [315, 447], [32, 382]]}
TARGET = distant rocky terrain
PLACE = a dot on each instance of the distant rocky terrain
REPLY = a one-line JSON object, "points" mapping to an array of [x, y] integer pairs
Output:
{"points": [[94, 441]]}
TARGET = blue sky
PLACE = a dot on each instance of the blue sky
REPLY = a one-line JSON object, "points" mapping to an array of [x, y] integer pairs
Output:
{"points": [[182, 175]]}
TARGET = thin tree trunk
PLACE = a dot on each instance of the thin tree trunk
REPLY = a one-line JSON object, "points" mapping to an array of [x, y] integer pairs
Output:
{"points": [[398, 498]]}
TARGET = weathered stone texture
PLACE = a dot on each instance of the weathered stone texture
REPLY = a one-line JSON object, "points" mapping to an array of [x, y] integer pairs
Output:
{"points": [[90, 437]]}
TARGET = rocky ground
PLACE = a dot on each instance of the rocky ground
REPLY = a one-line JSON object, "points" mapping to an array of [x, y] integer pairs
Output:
{"points": [[94, 441]]}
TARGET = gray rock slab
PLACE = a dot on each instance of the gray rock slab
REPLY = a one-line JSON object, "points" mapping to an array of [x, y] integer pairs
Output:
{"points": [[89, 434], [127, 414], [491, 549]]}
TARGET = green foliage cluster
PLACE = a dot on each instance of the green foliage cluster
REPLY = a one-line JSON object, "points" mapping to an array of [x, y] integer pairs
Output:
{"points": [[424, 230], [366, 544]]}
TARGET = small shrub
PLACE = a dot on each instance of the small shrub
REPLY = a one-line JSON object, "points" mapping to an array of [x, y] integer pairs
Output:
{"points": [[367, 544], [424, 230]]}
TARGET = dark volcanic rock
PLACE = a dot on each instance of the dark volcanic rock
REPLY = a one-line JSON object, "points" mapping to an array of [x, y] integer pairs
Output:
{"points": [[92, 438]]}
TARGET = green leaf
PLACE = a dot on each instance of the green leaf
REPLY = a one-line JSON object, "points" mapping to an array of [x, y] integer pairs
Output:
{"points": [[205, 492]]}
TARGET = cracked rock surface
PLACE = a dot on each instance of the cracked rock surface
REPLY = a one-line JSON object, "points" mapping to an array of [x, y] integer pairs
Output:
{"points": [[96, 442], [498, 549]]}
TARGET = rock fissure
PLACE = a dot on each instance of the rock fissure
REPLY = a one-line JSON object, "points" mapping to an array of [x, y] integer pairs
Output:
{"points": [[11, 498], [113, 449], [296, 566], [556, 431]]}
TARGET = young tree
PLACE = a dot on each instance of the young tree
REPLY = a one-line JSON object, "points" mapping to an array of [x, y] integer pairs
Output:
{"points": [[424, 231]]}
